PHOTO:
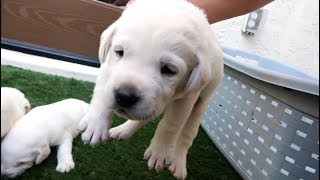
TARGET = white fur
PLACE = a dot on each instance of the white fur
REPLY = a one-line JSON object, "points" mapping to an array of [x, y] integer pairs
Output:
{"points": [[153, 34], [14, 105], [30, 139]]}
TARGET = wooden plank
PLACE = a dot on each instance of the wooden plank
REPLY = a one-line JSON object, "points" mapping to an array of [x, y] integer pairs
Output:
{"points": [[70, 25]]}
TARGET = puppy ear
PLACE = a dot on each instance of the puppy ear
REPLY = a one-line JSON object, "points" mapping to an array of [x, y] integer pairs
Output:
{"points": [[200, 75], [42, 153], [27, 106], [105, 42]]}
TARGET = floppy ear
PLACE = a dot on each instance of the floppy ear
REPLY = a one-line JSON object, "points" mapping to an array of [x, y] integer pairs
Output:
{"points": [[105, 42], [27, 106], [42, 153], [200, 75]]}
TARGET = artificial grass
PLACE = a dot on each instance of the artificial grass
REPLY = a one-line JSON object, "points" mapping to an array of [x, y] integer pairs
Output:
{"points": [[113, 159]]}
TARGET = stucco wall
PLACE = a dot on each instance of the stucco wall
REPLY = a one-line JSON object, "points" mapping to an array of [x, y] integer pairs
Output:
{"points": [[289, 32]]}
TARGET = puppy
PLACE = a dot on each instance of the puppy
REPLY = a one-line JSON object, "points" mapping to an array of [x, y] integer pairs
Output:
{"points": [[14, 105], [160, 55], [30, 139]]}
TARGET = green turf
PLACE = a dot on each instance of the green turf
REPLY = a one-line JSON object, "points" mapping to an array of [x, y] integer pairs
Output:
{"points": [[113, 159]]}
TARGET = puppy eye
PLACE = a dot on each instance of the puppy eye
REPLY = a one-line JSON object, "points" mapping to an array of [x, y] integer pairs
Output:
{"points": [[168, 70], [119, 53], [19, 163]]}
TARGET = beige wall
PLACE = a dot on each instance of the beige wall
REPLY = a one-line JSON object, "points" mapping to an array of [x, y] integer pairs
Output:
{"points": [[289, 32]]}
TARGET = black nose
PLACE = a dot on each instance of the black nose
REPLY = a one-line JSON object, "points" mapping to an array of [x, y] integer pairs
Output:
{"points": [[126, 96]]}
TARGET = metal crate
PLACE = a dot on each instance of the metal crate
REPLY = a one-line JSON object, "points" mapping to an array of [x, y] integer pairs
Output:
{"points": [[265, 122]]}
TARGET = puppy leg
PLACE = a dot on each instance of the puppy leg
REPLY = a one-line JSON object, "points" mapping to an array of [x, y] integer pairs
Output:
{"points": [[127, 129], [161, 150], [96, 122], [189, 132], [65, 160]]}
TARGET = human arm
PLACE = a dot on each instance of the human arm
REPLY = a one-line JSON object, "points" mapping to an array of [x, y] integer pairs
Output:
{"points": [[218, 10]]}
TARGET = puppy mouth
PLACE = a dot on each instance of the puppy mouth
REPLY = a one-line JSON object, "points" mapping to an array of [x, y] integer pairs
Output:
{"points": [[135, 116]]}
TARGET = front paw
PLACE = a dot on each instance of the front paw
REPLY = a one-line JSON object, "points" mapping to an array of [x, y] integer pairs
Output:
{"points": [[159, 156], [94, 129], [65, 166], [125, 130], [178, 166], [120, 132]]}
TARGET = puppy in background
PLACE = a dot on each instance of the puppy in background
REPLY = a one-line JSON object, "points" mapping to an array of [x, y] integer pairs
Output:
{"points": [[29, 140], [14, 105]]}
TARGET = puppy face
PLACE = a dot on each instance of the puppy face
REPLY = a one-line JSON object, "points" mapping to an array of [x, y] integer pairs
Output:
{"points": [[18, 157], [14, 160], [145, 77], [149, 61]]}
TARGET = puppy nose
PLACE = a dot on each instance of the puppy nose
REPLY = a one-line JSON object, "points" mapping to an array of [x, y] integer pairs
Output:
{"points": [[126, 96]]}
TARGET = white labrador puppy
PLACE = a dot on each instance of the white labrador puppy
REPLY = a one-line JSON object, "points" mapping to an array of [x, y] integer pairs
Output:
{"points": [[14, 105], [30, 139], [159, 55]]}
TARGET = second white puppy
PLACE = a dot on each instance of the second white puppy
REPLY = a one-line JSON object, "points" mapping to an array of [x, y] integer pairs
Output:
{"points": [[30, 139], [14, 105]]}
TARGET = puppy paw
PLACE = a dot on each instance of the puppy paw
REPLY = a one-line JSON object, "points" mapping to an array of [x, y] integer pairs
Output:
{"points": [[65, 166], [178, 166], [94, 129], [125, 130], [159, 156], [119, 132]]}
